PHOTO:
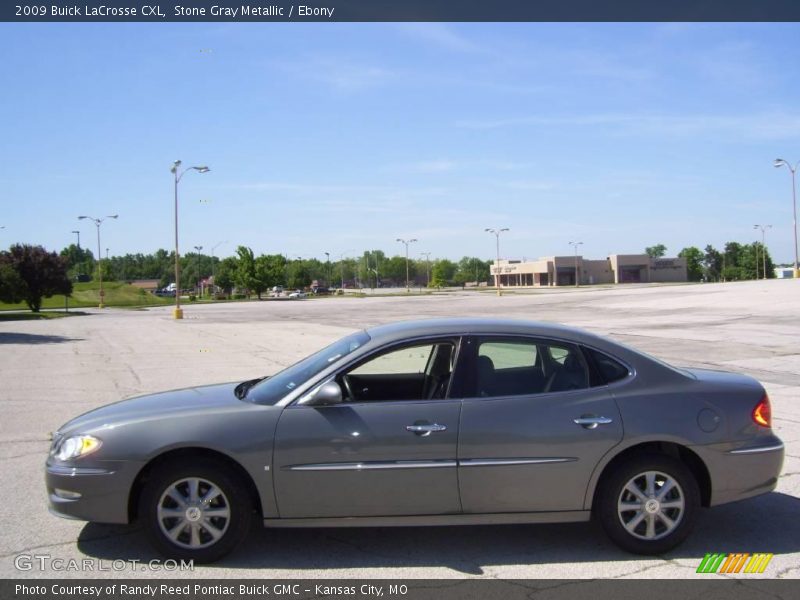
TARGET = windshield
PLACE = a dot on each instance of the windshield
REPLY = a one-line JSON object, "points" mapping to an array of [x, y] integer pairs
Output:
{"points": [[270, 390]]}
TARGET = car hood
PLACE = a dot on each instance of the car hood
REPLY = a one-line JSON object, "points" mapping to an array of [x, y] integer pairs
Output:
{"points": [[209, 398]]}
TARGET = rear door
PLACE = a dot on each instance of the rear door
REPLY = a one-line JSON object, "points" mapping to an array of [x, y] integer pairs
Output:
{"points": [[532, 427]]}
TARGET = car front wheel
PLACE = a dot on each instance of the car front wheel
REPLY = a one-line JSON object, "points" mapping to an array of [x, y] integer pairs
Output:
{"points": [[648, 504], [195, 511]]}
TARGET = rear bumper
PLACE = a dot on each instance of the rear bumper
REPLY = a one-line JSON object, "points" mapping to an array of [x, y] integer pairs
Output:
{"points": [[97, 493], [743, 472]]}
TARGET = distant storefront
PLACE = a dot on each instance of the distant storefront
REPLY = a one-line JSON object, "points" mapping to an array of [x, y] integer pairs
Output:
{"points": [[561, 270]]}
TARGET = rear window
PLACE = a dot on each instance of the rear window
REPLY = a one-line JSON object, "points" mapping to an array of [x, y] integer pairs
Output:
{"points": [[610, 369]]}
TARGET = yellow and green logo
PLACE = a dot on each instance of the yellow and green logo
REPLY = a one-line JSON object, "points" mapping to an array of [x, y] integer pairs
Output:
{"points": [[735, 562]]}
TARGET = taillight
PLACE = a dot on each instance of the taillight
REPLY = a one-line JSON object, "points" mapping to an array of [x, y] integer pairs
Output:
{"points": [[762, 413]]}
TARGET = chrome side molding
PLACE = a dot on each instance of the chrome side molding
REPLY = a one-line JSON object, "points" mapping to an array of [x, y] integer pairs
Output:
{"points": [[758, 450]]}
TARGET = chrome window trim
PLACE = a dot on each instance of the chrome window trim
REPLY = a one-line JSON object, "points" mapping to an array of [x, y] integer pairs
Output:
{"points": [[295, 397]]}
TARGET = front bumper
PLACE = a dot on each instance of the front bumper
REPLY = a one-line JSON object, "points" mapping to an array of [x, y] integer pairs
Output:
{"points": [[743, 472], [96, 493]]}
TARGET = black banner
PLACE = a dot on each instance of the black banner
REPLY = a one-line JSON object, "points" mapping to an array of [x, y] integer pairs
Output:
{"points": [[399, 10], [742, 588]]}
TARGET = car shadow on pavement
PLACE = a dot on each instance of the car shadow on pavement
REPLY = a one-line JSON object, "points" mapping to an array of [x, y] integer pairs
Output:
{"points": [[765, 524], [10, 337]]}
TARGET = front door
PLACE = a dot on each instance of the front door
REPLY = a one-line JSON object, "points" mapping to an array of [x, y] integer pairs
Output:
{"points": [[388, 449]]}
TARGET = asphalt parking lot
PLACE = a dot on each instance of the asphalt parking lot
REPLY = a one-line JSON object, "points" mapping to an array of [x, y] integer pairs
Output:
{"points": [[53, 370]]}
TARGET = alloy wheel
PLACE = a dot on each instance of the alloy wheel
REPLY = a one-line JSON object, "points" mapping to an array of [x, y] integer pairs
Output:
{"points": [[193, 513], [651, 505]]}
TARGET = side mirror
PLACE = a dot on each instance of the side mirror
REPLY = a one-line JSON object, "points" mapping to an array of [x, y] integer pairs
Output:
{"points": [[326, 395]]}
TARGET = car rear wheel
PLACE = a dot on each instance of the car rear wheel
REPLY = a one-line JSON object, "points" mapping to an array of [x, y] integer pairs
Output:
{"points": [[195, 511], [648, 504]]}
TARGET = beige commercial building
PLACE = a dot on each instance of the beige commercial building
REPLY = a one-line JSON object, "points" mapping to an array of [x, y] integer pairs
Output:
{"points": [[561, 270]]}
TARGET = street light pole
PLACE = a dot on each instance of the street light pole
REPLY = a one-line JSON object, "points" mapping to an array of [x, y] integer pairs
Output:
{"points": [[577, 273], [97, 223], [497, 233], [175, 170], [763, 229], [75, 231], [406, 243], [427, 256], [327, 268], [779, 162], [197, 267]]}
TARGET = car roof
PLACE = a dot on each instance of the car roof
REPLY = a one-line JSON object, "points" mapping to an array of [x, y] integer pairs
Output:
{"points": [[461, 326]]}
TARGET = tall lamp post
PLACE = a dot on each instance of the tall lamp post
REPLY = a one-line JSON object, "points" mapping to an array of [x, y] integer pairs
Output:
{"points": [[327, 268], [97, 223], [763, 229], [427, 256], [497, 233], [197, 267], [577, 272], [75, 231], [406, 243], [176, 171], [779, 162]]}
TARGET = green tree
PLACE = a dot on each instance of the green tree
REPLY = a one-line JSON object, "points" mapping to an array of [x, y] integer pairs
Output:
{"points": [[765, 261], [299, 275], [270, 270], [694, 262], [80, 261], [225, 277], [43, 273], [472, 269], [246, 269], [344, 271], [394, 268], [732, 263], [373, 261], [12, 287], [656, 251], [442, 273], [712, 263]]}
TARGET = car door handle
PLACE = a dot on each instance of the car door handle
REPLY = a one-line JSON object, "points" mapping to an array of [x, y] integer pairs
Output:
{"points": [[426, 430], [592, 422]]}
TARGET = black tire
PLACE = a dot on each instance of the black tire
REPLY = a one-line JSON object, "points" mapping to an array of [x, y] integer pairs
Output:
{"points": [[212, 521], [631, 529]]}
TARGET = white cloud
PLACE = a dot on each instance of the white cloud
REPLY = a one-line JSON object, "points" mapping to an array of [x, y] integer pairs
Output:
{"points": [[764, 126], [440, 35]]}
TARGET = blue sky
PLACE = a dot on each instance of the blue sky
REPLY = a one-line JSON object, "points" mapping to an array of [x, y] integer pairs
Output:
{"points": [[342, 137]]}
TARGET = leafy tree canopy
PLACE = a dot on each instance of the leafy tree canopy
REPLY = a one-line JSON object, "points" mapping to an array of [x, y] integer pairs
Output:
{"points": [[39, 274], [694, 262], [656, 251]]}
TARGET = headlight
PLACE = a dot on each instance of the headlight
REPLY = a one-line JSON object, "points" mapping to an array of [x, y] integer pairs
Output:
{"points": [[76, 446]]}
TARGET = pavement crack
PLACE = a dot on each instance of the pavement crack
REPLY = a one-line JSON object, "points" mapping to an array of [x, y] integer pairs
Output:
{"points": [[642, 570], [37, 453]]}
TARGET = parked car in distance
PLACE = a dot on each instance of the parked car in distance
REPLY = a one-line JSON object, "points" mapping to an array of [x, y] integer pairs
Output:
{"points": [[433, 422], [298, 294], [320, 291]]}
